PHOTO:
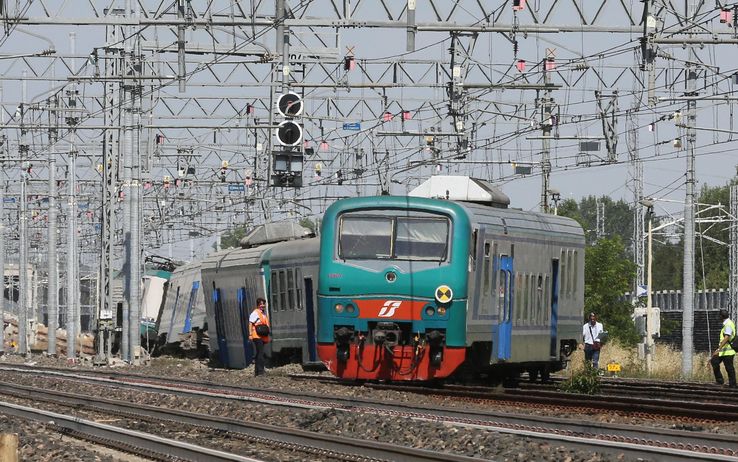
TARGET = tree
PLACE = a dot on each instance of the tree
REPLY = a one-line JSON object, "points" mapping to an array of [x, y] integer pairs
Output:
{"points": [[618, 217], [230, 239], [608, 272]]}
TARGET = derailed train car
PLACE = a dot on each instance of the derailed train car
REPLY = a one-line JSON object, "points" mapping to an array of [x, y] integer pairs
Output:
{"points": [[182, 323], [420, 288], [278, 262]]}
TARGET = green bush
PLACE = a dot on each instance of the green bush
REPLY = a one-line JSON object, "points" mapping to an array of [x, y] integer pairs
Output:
{"points": [[586, 382]]}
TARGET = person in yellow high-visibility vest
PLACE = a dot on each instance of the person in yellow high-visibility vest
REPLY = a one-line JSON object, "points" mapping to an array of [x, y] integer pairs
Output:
{"points": [[724, 352]]}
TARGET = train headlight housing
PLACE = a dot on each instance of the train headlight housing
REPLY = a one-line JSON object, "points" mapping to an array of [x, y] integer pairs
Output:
{"points": [[429, 311], [338, 307], [441, 311], [350, 308]]}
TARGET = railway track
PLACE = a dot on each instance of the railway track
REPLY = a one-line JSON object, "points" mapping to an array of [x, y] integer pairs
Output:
{"points": [[657, 444], [313, 445]]}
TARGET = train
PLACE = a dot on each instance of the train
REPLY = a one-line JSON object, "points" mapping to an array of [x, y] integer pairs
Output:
{"points": [[447, 281], [181, 325], [279, 262]]}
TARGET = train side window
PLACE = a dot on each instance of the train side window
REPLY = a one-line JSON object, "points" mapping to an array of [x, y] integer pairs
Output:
{"points": [[540, 298], [518, 300], [487, 268], [575, 268], [291, 289], [298, 288], [533, 299], [547, 300], [526, 299], [283, 289], [569, 286], [562, 275], [275, 291]]}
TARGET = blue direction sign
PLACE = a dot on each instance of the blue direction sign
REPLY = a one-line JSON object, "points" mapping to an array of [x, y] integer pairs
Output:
{"points": [[10, 200], [354, 126], [236, 187]]}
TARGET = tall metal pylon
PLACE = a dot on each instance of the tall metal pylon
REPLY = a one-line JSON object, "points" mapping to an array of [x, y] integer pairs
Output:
{"points": [[733, 256]]}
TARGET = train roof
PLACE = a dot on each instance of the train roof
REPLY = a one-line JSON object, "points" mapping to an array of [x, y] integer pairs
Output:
{"points": [[295, 249], [234, 257], [461, 188], [524, 222], [274, 232]]}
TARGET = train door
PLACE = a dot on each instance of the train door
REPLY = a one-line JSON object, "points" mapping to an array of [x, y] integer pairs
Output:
{"points": [[310, 319], [188, 316], [554, 305], [220, 326], [243, 310], [505, 305]]}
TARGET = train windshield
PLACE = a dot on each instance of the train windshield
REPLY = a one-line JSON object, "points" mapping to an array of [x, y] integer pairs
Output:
{"points": [[393, 238]]}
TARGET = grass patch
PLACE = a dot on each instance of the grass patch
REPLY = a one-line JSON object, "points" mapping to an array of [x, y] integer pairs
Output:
{"points": [[586, 381], [667, 363]]}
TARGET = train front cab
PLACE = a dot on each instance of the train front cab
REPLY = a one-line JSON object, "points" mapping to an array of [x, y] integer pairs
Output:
{"points": [[393, 284]]}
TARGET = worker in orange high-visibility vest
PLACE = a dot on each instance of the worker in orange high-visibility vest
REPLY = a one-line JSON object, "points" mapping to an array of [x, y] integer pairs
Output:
{"points": [[259, 333]]}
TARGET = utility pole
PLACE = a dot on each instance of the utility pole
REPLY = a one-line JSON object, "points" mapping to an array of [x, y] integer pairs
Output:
{"points": [[72, 118], [649, 294], [688, 275], [126, 353], [547, 126], [135, 241], [110, 161], [23, 226], [3, 149], [733, 256], [52, 298]]}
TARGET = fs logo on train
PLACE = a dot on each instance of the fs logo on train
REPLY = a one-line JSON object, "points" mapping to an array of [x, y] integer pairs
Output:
{"points": [[444, 294], [389, 308]]}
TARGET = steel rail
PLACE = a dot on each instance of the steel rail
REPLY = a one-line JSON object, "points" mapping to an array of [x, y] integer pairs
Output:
{"points": [[303, 440], [637, 441], [122, 437]]}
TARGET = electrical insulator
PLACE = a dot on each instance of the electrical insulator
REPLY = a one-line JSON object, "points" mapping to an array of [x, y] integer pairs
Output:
{"points": [[387, 116], [167, 181], [406, 115], [318, 170], [159, 138], [349, 63], [249, 109]]}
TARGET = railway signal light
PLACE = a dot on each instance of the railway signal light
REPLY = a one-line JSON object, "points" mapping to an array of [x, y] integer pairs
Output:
{"points": [[289, 105], [289, 133], [287, 162]]}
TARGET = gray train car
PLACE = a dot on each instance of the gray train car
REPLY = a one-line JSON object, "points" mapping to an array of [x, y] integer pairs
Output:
{"points": [[279, 263], [182, 321], [526, 282]]}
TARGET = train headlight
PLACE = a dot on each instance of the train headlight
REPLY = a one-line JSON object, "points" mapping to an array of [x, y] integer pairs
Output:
{"points": [[429, 310], [350, 308], [441, 311], [339, 308]]}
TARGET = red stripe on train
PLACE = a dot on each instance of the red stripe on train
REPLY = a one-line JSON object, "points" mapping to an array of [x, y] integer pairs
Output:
{"points": [[398, 310], [376, 363]]}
